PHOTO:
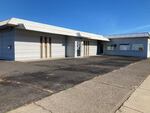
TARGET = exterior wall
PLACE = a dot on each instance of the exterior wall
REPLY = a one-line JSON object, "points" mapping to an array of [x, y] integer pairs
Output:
{"points": [[130, 52], [93, 48], [70, 47], [148, 50], [27, 45], [58, 46], [82, 47], [7, 44]]}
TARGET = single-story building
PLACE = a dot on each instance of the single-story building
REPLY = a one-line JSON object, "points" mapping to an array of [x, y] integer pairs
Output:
{"points": [[26, 40], [134, 44]]}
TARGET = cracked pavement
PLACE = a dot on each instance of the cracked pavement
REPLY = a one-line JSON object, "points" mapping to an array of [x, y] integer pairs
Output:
{"points": [[102, 94], [29, 82]]}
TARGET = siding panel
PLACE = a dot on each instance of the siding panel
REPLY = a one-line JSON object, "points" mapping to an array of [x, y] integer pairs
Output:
{"points": [[27, 45], [148, 51], [58, 47], [70, 47], [130, 52], [7, 40], [93, 48]]}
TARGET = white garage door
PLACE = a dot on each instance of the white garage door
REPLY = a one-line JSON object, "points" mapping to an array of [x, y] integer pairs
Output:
{"points": [[58, 47]]}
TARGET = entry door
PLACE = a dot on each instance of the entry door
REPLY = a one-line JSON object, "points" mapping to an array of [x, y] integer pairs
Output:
{"points": [[45, 47], [86, 48], [99, 47], [78, 48]]}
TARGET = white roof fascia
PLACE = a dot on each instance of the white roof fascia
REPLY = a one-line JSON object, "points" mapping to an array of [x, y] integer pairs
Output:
{"points": [[34, 26], [2, 23], [131, 35]]}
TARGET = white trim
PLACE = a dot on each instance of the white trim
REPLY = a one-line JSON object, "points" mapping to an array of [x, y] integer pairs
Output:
{"points": [[34, 26], [130, 35]]}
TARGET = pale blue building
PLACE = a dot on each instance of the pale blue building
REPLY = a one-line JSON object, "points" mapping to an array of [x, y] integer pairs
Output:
{"points": [[135, 44]]}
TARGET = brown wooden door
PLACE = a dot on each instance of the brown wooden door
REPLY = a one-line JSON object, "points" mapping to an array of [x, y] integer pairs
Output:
{"points": [[45, 47], [86, 48]]}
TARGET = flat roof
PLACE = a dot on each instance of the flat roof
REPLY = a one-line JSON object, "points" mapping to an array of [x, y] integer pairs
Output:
{"points": [[39, 27], [130, 35]]}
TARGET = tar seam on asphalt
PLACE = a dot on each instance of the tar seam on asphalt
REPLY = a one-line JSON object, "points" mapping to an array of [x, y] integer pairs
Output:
{"points": [[34, 86]]}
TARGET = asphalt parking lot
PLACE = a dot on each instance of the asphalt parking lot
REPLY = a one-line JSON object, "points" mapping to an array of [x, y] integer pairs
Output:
{"points": [[29, 82]]}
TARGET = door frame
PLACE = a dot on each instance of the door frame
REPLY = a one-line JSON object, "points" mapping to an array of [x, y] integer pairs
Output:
{"points": [[45, 47], [100, 47], [86, 44], [78, 51]]}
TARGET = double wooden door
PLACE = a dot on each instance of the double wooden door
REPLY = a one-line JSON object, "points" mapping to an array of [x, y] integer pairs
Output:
{"points": [[45, 47], [86, 48]]}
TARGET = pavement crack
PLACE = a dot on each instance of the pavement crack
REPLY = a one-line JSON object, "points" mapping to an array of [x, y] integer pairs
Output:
{"points": [[121, 103], [133, 109], [28, 84], [42, 107], [118, 86], [144, 89]]}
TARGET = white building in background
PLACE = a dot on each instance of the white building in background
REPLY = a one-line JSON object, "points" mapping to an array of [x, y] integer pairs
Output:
{"points": [[27, 40]]}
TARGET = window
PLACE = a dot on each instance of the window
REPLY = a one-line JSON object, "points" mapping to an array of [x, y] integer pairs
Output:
{"points": [[138, 47], [124, 47], [111, 47]]}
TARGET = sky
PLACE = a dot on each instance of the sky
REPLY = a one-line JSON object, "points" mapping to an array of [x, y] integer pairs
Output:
{"points": [[96, 16]]}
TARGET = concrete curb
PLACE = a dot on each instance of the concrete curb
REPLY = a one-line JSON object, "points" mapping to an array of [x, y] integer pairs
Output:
{"points": [[123, 104], [126, 97]]}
